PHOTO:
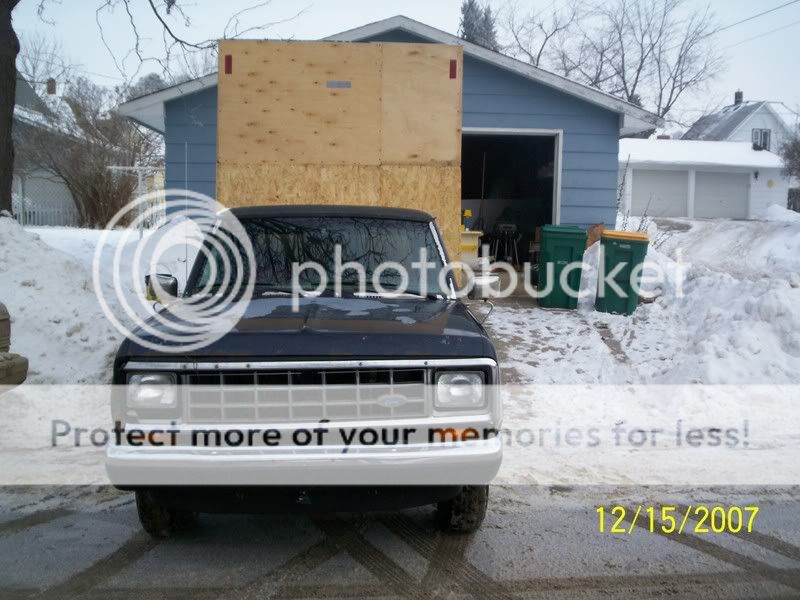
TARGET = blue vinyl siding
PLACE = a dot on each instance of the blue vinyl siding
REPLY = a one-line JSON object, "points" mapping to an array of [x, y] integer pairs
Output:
{"points": [[493, 97], [191, 142]]}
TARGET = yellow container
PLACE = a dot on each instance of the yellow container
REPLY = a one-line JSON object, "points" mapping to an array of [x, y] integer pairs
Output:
{"points": [[626, 235], [470, 242]]}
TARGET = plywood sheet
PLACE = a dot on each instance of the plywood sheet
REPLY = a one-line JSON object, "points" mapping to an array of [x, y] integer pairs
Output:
{"points": [[422, 104], [435, 189], [271, 183], [299, 102], [432, 189], [338, 123]]}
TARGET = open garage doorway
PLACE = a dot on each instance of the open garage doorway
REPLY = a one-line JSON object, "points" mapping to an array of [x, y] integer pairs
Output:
{"points": [[510, 184]]}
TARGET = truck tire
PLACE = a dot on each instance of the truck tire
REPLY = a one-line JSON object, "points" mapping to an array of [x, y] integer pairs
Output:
{"points": [[465, 512], [157, 519]]}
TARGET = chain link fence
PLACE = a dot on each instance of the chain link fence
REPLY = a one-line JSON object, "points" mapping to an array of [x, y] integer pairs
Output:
{"points": [[41, 198]]}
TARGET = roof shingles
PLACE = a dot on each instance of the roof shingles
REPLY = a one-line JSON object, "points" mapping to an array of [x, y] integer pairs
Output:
{"points": [[720, 125]]}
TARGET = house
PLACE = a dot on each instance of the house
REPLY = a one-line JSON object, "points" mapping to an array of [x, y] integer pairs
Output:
{"points": [[40, 197], [756, 122], [536, 148], [699, 179]]}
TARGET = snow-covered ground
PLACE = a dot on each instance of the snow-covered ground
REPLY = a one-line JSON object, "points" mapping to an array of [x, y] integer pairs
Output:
{"points": [[735, 319]]}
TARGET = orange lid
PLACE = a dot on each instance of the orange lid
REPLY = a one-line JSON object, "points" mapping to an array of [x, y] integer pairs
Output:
{"points": [[626, 235]]}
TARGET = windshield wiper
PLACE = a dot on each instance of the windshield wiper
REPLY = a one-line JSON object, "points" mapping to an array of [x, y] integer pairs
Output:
{"points": [[270, 289], [428, 295], [371, 291]]}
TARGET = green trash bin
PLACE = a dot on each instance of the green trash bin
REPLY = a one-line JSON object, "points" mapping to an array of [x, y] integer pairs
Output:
{"points": [[630, 249], [561, 245]]}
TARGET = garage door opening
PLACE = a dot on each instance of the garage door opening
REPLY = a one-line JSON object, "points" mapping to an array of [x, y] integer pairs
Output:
{"points": [[509, 183]]}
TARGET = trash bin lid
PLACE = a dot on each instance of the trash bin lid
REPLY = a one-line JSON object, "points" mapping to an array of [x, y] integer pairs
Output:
{"points": [[569, 229], [634, 236]]}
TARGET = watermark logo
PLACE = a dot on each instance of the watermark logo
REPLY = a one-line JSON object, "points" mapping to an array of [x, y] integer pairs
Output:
{"points": [[198, 227], [132, 269]]}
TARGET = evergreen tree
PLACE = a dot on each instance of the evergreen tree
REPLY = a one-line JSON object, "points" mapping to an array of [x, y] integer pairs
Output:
{"points": [[488, 30], [478, 25]]}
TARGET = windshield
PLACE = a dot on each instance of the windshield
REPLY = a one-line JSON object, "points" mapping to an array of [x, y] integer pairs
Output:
{"points": [[280, 243]]}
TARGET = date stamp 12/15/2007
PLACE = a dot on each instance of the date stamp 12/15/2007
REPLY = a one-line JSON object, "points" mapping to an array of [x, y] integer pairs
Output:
{"points": [[675, 520]]}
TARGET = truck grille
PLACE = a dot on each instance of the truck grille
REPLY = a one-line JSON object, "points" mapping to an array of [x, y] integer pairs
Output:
{"points": [[294, 396]]}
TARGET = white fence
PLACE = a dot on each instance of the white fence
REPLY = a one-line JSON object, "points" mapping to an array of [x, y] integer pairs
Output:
{"points": [[40, 198], [44, 211]]}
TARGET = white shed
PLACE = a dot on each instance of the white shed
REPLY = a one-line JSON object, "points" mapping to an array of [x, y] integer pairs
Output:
{"points": [[699, 179]]}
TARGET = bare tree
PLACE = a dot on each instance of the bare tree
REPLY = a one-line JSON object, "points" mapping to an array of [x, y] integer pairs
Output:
{"points": [[588, 60], [683, 57], [42, 58], [649, 52], [790, 153], [80, 140], [197, 64], [174, 43], [9, 48], [177, 49], [533, 34]]}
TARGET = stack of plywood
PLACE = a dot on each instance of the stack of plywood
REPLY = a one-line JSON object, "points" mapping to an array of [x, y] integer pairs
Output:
{"points": [[341, 123]]}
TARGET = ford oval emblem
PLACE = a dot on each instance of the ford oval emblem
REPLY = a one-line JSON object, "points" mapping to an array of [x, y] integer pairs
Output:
{"points": [[392, 400]]}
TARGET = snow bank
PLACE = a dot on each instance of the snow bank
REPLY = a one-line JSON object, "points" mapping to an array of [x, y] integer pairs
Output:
{"points": [[743, 249], [55, 318], [729, 330], [727, 312], [46, 283], [733, 318], [779, 213]]}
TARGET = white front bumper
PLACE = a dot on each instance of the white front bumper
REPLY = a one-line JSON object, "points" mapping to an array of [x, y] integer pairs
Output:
{"points": [[455, 463]]}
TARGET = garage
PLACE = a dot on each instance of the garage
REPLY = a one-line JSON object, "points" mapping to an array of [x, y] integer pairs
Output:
{"points": [[721, 195], [508, 187], [660, 193], [698, 179], [550, 143]]}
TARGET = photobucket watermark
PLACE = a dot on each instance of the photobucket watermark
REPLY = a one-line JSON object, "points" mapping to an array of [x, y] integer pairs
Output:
{"points": [[188, 283], [133, 271], [459, 280]]}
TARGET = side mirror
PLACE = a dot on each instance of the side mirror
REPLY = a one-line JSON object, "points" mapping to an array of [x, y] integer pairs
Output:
{"points": [[161, 288]]}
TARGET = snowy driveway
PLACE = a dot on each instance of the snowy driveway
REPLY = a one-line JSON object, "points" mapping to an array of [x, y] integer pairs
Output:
{"points": [[536, 543]]}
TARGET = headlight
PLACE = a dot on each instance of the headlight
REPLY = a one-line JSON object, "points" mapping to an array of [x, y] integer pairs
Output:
{"points": [[156, 390], [459, 389]]}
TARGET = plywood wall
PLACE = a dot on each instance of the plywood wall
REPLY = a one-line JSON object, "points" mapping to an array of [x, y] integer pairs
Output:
{"points": [[341, 123]]}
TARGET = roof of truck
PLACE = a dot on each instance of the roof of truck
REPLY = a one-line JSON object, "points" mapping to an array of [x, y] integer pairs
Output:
{"points": [[324, 210]]}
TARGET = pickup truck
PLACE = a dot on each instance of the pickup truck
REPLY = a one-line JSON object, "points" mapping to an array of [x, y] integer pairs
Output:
{"points": [[347, 356]]}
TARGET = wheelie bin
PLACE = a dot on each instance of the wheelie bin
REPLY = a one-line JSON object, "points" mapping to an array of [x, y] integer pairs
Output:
{"points": [[629, 249], [561, 247]]}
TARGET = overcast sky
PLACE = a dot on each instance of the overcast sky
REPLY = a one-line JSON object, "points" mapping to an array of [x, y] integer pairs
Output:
{"points": [[765, 68]]}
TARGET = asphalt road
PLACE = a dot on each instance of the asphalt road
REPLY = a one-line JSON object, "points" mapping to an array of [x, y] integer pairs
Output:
{"points": [[535, 543]]}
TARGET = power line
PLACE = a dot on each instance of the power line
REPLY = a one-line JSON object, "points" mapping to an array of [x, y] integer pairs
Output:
{"points": [[761, 14], [735, 23], [760, 35]]}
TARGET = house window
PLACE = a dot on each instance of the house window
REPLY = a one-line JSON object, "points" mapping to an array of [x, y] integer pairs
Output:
{"points": [[761, 137]]}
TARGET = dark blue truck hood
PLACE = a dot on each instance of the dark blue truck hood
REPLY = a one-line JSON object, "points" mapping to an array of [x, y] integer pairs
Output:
{"points": [[328, 327]]}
